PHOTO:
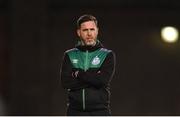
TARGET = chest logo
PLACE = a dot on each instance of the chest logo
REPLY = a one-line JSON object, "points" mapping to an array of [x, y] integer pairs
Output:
{"points": [[75, 60], [96, 60]]}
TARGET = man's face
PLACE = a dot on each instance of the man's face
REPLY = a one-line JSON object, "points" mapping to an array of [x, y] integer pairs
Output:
{"points": [[88, 32]]}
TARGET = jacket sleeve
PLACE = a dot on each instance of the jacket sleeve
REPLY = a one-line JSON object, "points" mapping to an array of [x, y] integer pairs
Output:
{"points": [[68, 80], [101, 77]]}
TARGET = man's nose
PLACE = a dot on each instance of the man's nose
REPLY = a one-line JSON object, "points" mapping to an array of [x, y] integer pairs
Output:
{"points": [[89, 32]]}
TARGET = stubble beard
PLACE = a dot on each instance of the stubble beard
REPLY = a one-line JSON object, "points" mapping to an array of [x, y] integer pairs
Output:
{"points": [[91, 43]]}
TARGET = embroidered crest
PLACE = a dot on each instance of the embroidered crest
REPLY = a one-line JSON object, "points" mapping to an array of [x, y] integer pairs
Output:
{"points": [[96, 61]]}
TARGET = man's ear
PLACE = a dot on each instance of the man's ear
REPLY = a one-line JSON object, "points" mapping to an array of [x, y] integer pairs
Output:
{"points": [[78, 32]]}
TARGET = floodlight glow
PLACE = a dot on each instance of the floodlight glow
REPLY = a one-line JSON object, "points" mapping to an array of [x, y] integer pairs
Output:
{"points": [[169, 34]]}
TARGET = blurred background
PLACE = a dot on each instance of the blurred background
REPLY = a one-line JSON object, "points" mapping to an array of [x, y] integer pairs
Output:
{"points": [[35, 33]]}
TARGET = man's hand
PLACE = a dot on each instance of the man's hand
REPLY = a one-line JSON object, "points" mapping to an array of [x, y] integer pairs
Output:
{"points": [[75, 74]]}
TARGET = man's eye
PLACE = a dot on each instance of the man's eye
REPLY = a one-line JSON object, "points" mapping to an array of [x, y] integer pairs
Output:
{"points": [[85, 30]]}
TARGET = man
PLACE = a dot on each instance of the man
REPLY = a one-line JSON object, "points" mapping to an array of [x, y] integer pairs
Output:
{"points": [[86, 72]]}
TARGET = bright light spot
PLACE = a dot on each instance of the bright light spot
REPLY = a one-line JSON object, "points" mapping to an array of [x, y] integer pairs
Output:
{"points": [[169, 34]]}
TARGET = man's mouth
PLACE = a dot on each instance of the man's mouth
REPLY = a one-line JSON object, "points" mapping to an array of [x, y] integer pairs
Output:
{"points": [[89, 38]]}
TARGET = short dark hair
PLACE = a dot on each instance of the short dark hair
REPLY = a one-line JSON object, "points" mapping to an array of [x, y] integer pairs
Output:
{"points": [[85, 18]]}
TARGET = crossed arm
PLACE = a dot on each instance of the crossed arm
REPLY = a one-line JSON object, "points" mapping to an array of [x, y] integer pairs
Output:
{"points": [[78, 78]]}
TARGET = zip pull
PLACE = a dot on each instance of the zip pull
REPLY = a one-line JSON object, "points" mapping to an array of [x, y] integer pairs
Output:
{"points": [[83, 99]]}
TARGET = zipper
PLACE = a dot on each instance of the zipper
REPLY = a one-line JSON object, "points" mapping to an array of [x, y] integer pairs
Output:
{"points": [[83, 90], [86, 61]]}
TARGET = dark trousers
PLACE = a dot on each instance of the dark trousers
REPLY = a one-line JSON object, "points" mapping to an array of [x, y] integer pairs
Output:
{"points": [[72, 112]]}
